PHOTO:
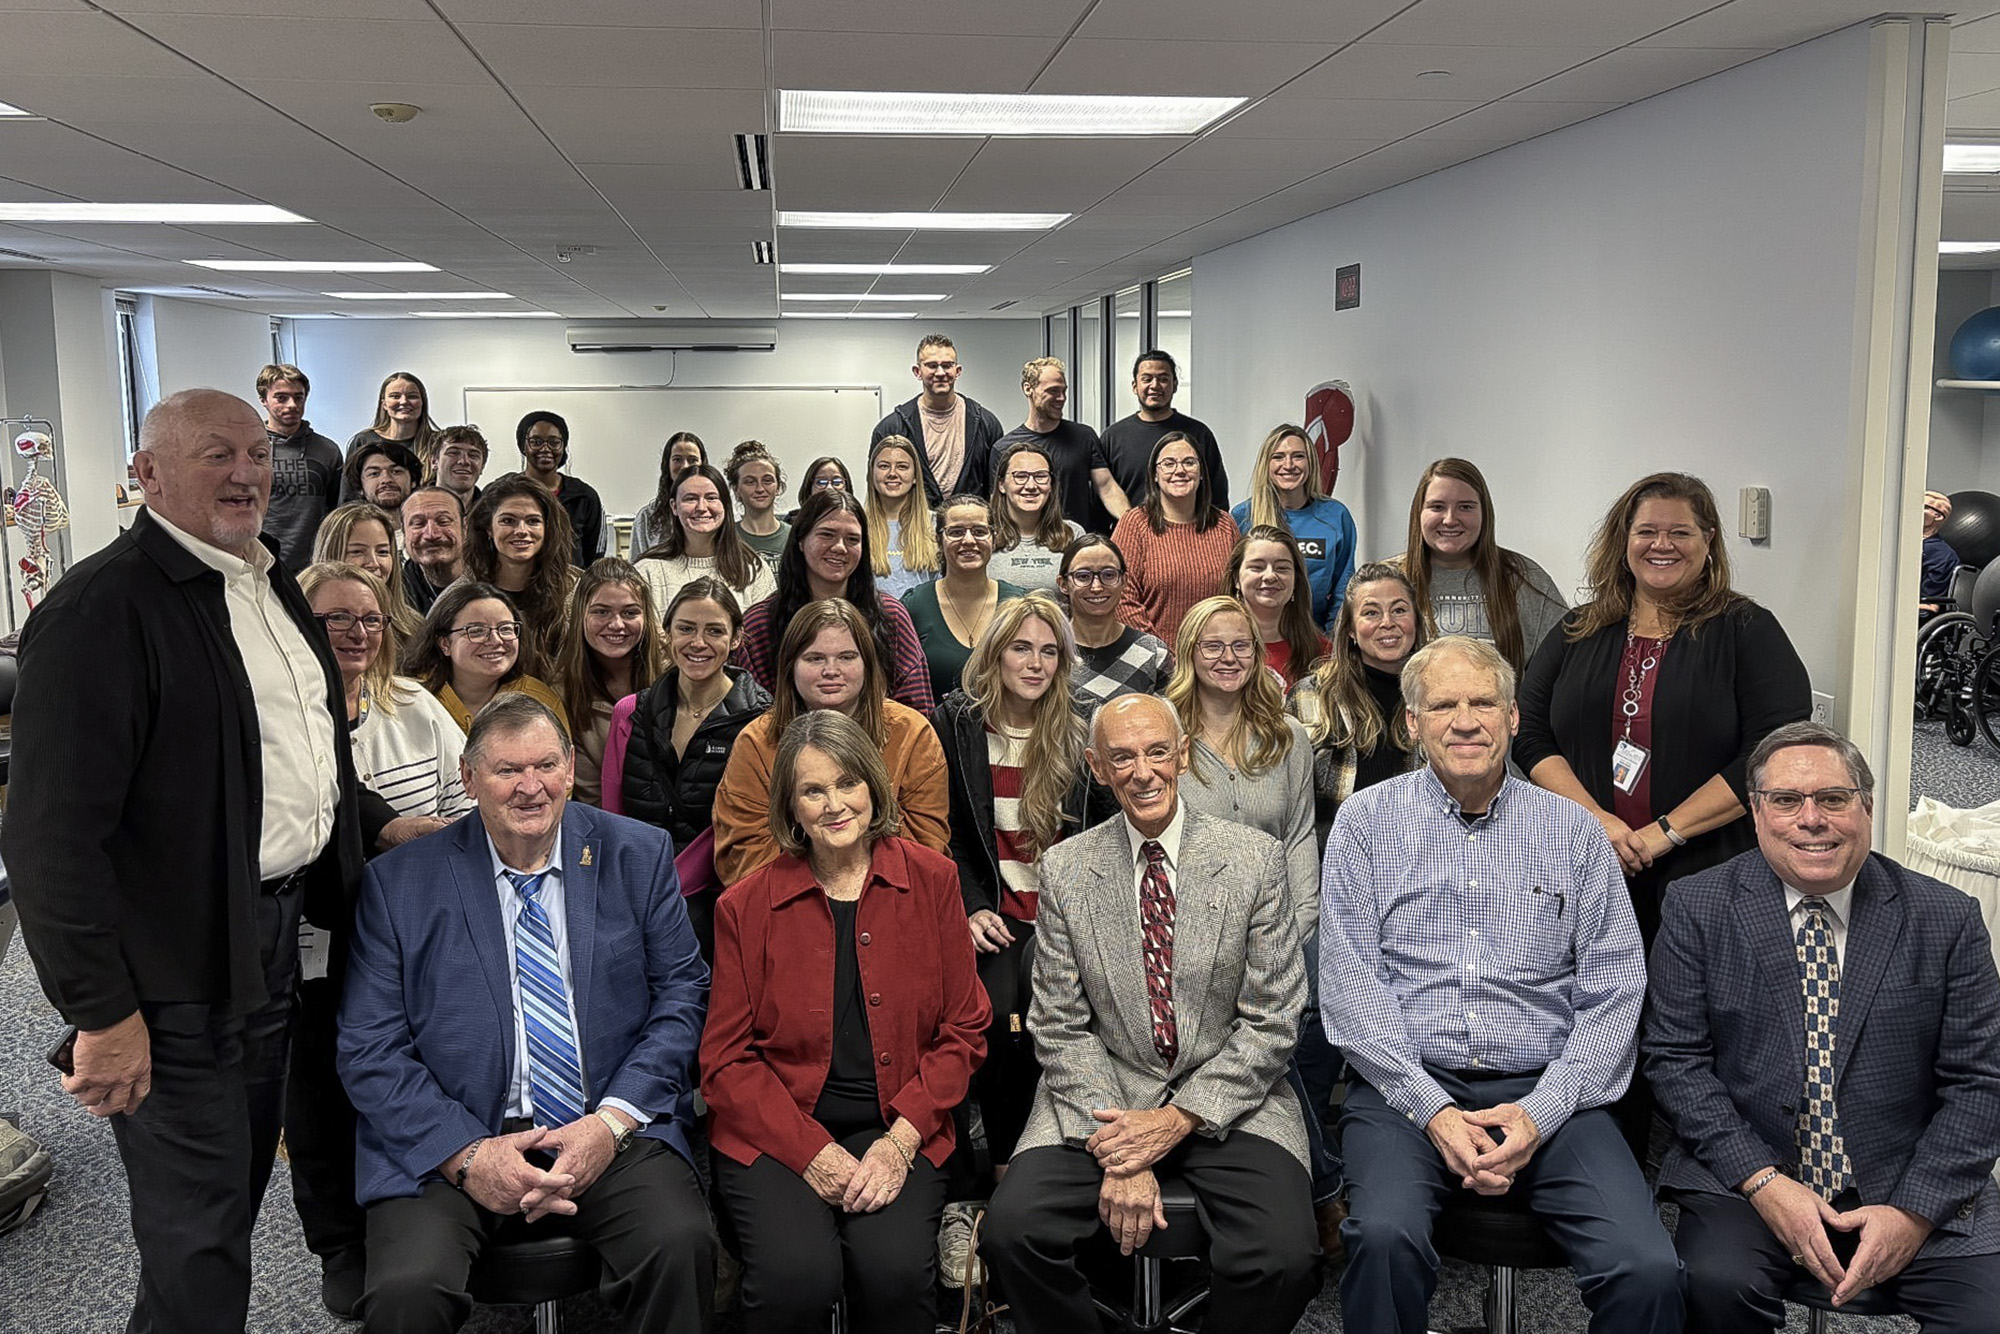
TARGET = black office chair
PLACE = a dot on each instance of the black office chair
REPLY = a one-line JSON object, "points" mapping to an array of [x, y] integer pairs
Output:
{"points": [[1182, 1239], [1496, 1231], [539, 1272], [1805, 1290]]}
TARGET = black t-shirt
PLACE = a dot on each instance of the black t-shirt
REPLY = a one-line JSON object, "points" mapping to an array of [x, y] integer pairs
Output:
{"points": [[1128, 447], [586, 516], [1073, 450], [848, 1101]]}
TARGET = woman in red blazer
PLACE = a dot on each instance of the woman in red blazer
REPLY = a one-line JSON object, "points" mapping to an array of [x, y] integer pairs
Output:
{"points": [[845, 1022]]}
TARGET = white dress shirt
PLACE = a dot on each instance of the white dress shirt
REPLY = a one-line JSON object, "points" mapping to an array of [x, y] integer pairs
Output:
{"points": [[1169, 840], [294, 727], [521, 1101], [1840, 904]]}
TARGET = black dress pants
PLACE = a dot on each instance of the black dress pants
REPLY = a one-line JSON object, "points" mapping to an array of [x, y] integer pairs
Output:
{"points": [[198, 1151], [319, 1128], [800, 1254], [645, 1218], [1005, 1082], [1256, 1206], [1736, 1267]]}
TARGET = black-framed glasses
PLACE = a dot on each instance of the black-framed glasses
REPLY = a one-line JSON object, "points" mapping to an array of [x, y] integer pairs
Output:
{"points": [[1107, 576], [1830, 800], [340, 622], [479, 631]]}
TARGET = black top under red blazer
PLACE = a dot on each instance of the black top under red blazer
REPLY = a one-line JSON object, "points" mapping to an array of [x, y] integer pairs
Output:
{"points": [[1722, 688], [132, 827]]}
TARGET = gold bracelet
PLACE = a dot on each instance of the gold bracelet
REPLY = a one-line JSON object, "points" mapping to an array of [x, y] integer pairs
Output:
{"points": [[909, 1161]]}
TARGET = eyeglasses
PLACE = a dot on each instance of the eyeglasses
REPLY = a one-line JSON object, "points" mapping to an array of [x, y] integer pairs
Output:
{"points": [[340, 622], [1123, 761], [1214, 650], [977, 532], [479, 632], [1027, 478], [1830, 800], [1107, 576], [1178, 465], [829, 483], [545, 440]]}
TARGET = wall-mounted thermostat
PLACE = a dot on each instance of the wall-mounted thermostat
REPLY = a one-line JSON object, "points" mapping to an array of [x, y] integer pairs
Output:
{"points": [[1753, 513]]}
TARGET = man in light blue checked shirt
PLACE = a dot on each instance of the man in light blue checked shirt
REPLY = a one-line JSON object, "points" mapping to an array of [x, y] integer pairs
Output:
{"points": [[1481, 970]]}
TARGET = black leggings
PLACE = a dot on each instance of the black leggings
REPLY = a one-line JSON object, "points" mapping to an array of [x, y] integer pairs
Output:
{"points": [[1005, 1083]]}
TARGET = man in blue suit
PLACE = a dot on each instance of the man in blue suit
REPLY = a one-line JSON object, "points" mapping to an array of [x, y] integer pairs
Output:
{"points": [[1824, 1038], [523, 1007]]}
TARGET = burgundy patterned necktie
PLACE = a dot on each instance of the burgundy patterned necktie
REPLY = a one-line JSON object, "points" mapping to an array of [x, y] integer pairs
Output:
{"points": [[1156, 920]]}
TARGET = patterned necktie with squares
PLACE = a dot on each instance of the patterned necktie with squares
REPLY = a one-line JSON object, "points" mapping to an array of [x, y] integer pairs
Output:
{"points": [[1822, 1157], [1156, 920]]}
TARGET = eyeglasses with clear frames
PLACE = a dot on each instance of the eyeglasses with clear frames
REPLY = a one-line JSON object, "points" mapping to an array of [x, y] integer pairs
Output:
{"points": [[479, 631], [1830, 800], [829, 484], [1213, 650], [1028, 478], [1124, 761], [978, 532], [340, 622]]}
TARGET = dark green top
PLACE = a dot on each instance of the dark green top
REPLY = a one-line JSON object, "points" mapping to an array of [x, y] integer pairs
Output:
{"points": [[942, 649]]}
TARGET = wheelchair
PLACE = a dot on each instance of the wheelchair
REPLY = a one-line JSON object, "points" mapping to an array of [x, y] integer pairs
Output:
{"points": [[1958, 659]]}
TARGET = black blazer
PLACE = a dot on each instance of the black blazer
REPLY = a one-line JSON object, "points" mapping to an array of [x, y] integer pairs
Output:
{"points": [[677, 793], [133, 818], [961, 728], [1722, 688]]}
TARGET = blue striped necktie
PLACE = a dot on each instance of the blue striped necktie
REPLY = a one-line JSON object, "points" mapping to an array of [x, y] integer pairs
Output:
{"points": [[555, 1073]]}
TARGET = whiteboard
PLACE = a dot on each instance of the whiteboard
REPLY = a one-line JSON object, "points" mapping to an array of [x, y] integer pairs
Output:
{"points": [[617, 432]]}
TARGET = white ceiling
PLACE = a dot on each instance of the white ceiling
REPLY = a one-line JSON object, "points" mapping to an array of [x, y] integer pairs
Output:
{"points": [[608, 124]]}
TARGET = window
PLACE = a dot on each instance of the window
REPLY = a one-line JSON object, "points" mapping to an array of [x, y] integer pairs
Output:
{"points": [[130, 394], [1086, 373], [1055, 336], [1128, 340], [1173, 304]]}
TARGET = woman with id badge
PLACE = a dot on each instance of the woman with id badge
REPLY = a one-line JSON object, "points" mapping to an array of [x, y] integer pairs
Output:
{"points": [[1645, 708]]}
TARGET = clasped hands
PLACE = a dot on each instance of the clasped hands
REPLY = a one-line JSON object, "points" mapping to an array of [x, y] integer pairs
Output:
{"points": [[1799, 1217], [1485, 1165], [1126, 1147], [863, 1185], [503, 1181], [1636, 848]]}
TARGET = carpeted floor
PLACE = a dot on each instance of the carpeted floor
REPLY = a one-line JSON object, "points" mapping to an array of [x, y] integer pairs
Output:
{"points": [[1962, 776]]}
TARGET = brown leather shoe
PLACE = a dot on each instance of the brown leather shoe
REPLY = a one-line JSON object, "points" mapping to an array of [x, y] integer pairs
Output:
{"points": [[1329, 1216]]}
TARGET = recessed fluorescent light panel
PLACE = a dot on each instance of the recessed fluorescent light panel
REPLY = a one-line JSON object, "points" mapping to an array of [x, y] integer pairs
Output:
{"points": [[1967, 247], [911, 270], [183, 214], [486, 314], [1965, 159], [420, 296], [1009, 115], [313, 265], [935, 222], [849, 315], [861, 296]]}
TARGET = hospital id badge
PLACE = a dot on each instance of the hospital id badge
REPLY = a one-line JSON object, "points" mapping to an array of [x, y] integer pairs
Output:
{"points": [[1628, 761]]}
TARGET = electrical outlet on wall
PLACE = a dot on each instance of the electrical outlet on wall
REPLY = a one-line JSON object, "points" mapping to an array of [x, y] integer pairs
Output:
{"points": [[1822, 708]]}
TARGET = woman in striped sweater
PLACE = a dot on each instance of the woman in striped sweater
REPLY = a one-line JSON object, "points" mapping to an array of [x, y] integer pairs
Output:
{"points": [[1175, 545]]}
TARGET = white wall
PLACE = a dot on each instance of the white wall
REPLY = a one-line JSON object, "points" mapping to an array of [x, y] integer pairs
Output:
{"points": [[208, 347], [1958, 416], [1671, 285], [348, 359]]}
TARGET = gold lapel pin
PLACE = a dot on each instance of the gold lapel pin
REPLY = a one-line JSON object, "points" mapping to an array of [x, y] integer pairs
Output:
{"points": [[584, 860]]}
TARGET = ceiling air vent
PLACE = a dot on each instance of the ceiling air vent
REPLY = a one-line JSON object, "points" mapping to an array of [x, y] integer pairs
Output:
{"points": [[22, 254], [753, 161]]}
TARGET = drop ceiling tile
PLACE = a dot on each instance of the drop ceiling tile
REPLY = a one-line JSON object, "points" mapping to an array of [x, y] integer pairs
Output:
{"points": [[645, 125], [1267, 21], [1979, 35], [1766, 25], [938, 63], [244, 48], [612, 13], [621, 179], [1606, 23], [1468, 73], [44, 41], [1635, 73], [326, 9], [565, 57], [1038, 18], [812, 167], [1191, 68], [1980, 112], [1511, 122], [1382, 119], [1307, 155], [1973, 72]]}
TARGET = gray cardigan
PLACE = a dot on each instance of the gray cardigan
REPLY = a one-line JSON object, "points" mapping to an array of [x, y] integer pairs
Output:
{"points": [[1279, 802]]}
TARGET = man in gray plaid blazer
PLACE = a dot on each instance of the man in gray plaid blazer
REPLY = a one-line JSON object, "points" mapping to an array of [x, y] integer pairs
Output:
{"points": [[1824, 1038], [1168, 986]]}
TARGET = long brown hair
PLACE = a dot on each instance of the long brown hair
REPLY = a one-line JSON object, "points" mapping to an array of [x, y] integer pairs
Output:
{"points": [[735, 560], [424, 441], [1500, 572], [1610, 580], [543, 603], [424, 656], [1295, 622], [579, 673], [1205, 512], [1344, 712], [920, 546], [1052, 758], [1051, 528], [659, 511], [1260, 705], [829, 614]]}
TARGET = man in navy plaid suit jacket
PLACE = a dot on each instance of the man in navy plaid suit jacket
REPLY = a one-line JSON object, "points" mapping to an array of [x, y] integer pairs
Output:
{"points": [[1915, 1063]]}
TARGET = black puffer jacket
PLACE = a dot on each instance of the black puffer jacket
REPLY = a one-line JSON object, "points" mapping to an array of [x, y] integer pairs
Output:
{"points": [[678, 793], [961, 727]]}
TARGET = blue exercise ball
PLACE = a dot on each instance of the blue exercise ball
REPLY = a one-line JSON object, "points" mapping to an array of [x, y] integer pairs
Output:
{"points": [[1975, 348]]}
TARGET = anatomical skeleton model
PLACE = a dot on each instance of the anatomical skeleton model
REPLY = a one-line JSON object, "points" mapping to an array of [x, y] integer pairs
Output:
{"points": [[37, 508]]}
